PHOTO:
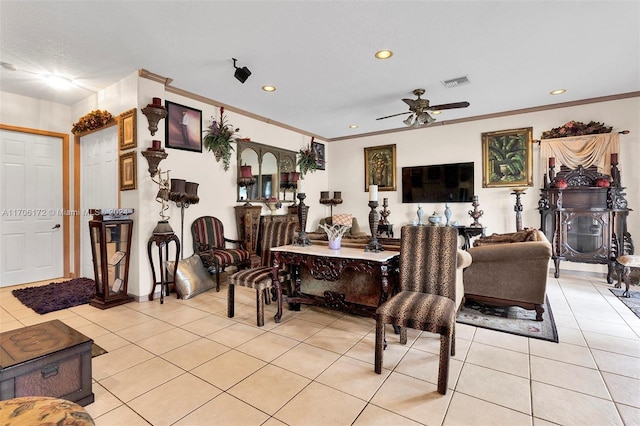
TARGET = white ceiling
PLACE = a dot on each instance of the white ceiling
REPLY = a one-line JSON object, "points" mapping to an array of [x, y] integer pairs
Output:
{"points": [[319, 54]]}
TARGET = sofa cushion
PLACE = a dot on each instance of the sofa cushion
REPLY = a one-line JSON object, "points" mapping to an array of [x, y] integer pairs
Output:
{"points": [[528, 234]]}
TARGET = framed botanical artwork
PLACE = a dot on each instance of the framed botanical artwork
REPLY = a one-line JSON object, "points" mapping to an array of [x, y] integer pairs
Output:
{"points": [[127, 129], [128, 171], [318, 148], [507, 158], [183, 127], [380, 167]]}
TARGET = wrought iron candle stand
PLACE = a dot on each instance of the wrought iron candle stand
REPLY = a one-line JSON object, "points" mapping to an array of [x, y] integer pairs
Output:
{"points": [[374, 245], [289, 180], [337, 199], [184, 194], [384, 213], [518, 207], [247, 182], [302, 239], [475, 213]]}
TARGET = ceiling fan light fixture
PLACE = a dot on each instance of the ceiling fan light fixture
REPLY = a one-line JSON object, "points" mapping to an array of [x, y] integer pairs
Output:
{"points": [[408, 120], [384, 54], [58, 82]]}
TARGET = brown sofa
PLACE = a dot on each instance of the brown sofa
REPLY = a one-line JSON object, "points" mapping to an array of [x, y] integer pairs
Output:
{"points": [[509, 270]]}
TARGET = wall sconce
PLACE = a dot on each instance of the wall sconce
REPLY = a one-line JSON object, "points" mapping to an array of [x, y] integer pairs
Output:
{"points": [[154, 156], [154, 113], [241, 74]]}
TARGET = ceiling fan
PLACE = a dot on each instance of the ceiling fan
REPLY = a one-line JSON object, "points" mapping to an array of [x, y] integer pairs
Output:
{"points": [[419, 110]]}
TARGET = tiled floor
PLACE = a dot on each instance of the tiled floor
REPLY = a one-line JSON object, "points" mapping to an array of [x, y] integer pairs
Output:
{"points": [[186, 363]]}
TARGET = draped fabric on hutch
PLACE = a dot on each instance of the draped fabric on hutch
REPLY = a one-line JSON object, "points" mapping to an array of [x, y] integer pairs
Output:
{"points": [[585, 151]]}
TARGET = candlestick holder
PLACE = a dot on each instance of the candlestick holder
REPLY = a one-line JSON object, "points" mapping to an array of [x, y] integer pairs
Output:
{"points": [[247, 182], [384, 213], [518, 207], [337, 199], [374, 245], [184, 194], [616, 181], [475, 213], [302, 239]]}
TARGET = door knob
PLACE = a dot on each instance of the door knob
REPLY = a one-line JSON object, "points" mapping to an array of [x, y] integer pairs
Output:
{"points": [[56, 226]]}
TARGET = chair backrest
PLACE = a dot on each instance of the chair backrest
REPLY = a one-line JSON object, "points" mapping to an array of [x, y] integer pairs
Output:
{"points": [[207, 232], [275, 234], [428, 260]]}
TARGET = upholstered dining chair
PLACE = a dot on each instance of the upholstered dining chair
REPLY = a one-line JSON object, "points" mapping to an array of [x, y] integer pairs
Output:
{"points": [[427, 292], [210, 244], [274, 234]]}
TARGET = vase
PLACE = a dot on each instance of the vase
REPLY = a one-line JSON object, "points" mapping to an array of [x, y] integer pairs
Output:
{"points": [[435, 219], [447, 213], [335, 244], [420, 214], [272, 207]]}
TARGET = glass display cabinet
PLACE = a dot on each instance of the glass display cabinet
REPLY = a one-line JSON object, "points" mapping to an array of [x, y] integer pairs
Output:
{"points": [[584, 214], [110, 233]]}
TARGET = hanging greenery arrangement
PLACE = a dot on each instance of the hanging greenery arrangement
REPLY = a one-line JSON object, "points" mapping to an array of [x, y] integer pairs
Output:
{"points": [[218, 139], [307, 160]]}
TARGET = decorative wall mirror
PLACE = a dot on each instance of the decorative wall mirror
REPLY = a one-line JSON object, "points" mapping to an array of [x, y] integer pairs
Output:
{"points": [[265, 164]]}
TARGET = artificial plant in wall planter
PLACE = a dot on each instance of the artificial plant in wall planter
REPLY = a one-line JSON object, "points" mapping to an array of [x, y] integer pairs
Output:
{"points": [[307, 160], [218, 139]]}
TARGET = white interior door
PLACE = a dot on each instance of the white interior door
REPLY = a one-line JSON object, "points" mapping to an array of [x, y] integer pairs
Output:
{"points": [[31, 208], [98, 184]]}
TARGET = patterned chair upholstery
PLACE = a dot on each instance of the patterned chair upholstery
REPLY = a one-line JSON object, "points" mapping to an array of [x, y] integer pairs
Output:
{"points": [[210, 243], [274, 234], [427, 292]]}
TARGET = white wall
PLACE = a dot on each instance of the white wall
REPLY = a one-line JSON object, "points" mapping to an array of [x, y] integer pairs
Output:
{"points": [[462, 143]]}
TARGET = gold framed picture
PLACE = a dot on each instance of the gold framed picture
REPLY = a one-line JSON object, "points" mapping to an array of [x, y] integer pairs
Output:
{"points": [[128, 171], [380, 167], [507, 158], [127, 129]]}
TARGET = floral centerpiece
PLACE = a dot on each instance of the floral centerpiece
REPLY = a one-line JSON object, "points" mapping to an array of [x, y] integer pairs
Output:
{"points": [[307, 160], [94, 120], [576, 128], [218, 139]]}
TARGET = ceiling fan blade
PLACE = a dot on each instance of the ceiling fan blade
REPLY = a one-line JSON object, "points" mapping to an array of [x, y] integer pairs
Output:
{"points": [[394, 115], [410, 102], [449, 106]]}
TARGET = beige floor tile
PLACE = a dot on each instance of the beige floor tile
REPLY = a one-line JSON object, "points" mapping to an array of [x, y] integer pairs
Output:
{"points": [[567, 407], [571, 354], [306, 360], [110, 342], [118, 360], [466, 410], [209, 324], [357, 378], [355, 324], [604, 327], [123, 319], [92, 330], [186, 315], [337, 408], [298, 329], [273, 422], [425, 366], [502, 340], [167, 341], [630, 347], [122, 415], [618, 364], [624, 390], [133, 382], [174, 399], [196, 353], [376, 416], [228, 369], [567, 321], [76, 321], [630, 415], [412, 398], [104, 401], [334, 339], [497, 387], [572, 336], [315, 314], [466, 332], [268, 346], [568, 376], [269, 388], [235, 335], [364, 350], [10, 325], [499, 359], [224, 410], [144, 330]]}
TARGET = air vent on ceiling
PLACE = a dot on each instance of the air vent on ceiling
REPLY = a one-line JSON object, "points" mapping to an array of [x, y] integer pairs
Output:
{"points": [[454, 82]]}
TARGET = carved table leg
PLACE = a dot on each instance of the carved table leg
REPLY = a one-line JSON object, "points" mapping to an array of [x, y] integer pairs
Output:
{"points": [[277, 286], [556, 262], [539, 312]]}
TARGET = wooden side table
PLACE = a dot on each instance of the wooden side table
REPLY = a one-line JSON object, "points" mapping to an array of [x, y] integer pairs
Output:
{"points": [[163, 240]]}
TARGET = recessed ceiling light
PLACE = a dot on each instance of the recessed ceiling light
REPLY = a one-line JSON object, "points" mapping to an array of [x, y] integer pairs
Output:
{"points": [[558, 91], [269, 88], [384, 54], [353, 126]]}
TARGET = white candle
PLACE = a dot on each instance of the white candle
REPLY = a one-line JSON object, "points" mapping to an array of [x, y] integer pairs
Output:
{"points": [[373, 192], [300, 186]]}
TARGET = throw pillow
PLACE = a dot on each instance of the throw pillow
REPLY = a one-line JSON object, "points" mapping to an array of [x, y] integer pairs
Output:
{"points": [[192, 277], [512, 237], [342, 219]]}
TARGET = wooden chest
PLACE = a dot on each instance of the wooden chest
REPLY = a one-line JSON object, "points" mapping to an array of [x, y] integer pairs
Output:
{"points": [[48, 359]]}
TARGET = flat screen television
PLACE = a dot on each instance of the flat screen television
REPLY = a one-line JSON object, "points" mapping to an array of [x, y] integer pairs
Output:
{"points": [[442, 183]]}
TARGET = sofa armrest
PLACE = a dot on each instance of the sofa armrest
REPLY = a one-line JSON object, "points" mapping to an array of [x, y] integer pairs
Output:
{"points": [[511, 251], [464, 259]]}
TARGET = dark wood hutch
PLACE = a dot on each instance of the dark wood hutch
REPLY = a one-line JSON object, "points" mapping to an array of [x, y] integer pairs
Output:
{"points": [[584, 214]]}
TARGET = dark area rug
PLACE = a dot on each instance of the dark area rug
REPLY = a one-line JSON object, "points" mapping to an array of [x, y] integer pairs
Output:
{"points": [[632, 302], [56, 296], [510, 319]]}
